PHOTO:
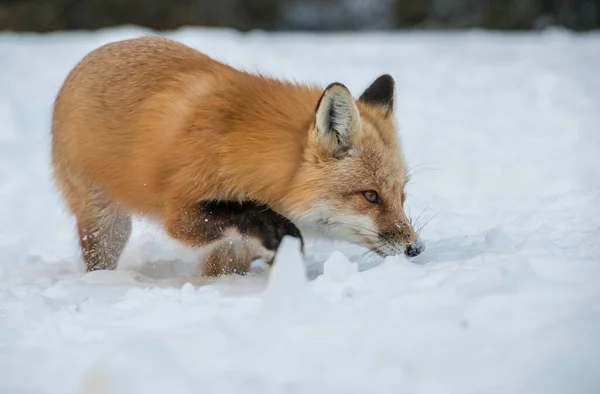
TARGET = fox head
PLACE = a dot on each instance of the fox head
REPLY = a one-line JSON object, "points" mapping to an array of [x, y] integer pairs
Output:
{"points": [[351, 183]]}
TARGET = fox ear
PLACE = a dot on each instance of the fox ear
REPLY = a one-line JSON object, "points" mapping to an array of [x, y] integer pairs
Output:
{"points": [[336, 120], [381, 93]]}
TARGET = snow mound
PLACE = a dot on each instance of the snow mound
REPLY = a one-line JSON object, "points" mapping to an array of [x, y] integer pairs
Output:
{"points": [[289, 296], [340, 278]]}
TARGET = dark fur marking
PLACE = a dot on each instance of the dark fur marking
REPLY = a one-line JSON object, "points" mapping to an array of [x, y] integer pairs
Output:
{"points": [[381, 92], [252, 219]]}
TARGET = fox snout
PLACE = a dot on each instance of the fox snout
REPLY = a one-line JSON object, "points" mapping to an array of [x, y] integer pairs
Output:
{"points": [[414, 248], [389, 248], [401, 238]]}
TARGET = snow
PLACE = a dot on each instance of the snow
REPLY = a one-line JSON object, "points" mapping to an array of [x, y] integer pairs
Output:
{"points": [[501, 131], [288, 295]]}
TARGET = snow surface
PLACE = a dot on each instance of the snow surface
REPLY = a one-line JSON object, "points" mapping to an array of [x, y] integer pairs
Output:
{"points": [[503, 133]]}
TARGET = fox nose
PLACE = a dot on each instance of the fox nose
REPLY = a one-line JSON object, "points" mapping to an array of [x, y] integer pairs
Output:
{"points": [[414, 249]]}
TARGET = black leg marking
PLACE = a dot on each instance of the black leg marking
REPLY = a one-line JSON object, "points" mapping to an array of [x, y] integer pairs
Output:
{"points": [[252, 219]]}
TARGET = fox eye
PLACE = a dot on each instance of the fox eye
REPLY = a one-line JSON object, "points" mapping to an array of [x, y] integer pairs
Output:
{"points": [[372, 196]]}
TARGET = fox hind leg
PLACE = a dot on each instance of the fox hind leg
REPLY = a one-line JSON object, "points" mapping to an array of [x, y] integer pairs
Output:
{"points": [[103, 225], [104, 229]]}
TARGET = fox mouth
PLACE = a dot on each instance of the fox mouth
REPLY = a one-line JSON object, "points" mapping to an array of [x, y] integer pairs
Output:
{"points": [[382, 249], [381, 246], [411, 249], [382, 253], [379, 252]]}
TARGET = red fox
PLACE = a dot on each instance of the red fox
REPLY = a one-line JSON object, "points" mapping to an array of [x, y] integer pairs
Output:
{"points": [[224, 158]]}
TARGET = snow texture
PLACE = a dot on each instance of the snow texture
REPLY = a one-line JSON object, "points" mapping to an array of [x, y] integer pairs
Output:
{"points": [[501, 131]]}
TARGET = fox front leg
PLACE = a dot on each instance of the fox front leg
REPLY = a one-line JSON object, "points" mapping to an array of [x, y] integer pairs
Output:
{"points": [[214, 221]]}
